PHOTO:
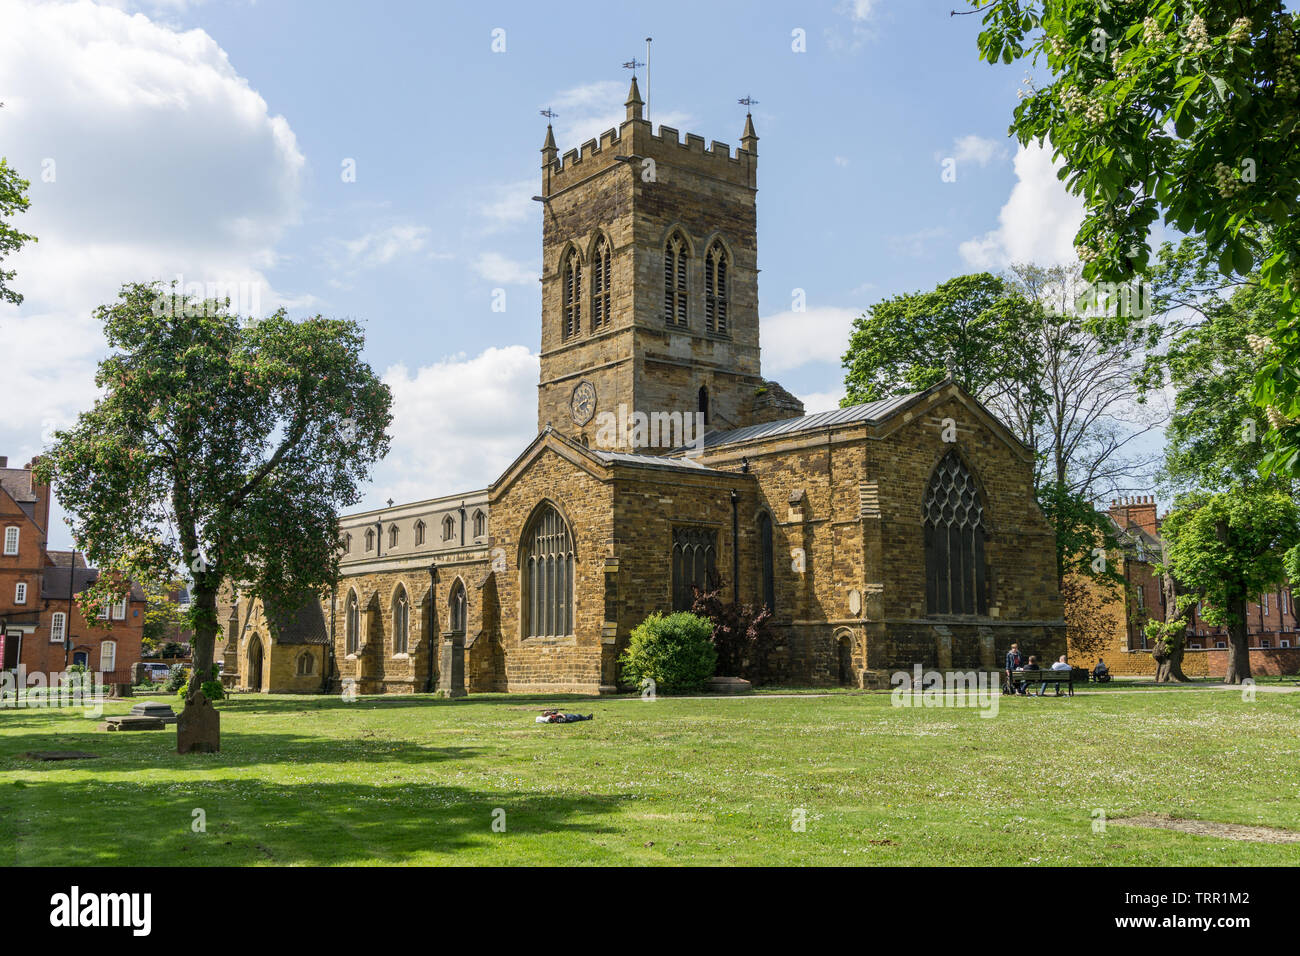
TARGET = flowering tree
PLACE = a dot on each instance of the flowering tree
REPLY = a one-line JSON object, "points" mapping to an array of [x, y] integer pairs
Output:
{"points": [[219, 447], [1181, 111]]}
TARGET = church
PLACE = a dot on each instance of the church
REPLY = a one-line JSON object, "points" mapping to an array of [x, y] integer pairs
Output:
{"points": [[880, 536]]}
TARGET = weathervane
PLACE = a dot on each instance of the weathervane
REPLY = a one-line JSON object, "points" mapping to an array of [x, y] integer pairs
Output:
{"points": [[549, 113], [747, 101], [633, 64]]}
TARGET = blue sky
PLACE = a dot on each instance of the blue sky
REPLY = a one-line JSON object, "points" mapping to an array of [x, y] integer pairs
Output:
{"points": [[208, 140]]}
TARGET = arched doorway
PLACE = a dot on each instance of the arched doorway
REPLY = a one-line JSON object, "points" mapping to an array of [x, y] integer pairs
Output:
{"points": [[255, 663], [844, 654]]}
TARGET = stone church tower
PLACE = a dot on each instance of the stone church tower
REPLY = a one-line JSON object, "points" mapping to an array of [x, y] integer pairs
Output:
{"points": [[650, 282]]}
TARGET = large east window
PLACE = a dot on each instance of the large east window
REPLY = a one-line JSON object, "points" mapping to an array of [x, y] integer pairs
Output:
{"points": [[955, 531], [547, 572]]}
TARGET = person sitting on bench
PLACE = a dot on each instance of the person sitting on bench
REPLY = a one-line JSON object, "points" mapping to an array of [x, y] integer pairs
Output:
{"points": [[1060, 665], [1022, 687], [1101, 672]]}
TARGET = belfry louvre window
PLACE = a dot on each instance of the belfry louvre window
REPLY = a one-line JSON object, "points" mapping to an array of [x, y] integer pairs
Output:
{"points": [[675, 295], [955, 530], [572, 295], [547, 571], [715, 289], [600, 299], [695, 557]]}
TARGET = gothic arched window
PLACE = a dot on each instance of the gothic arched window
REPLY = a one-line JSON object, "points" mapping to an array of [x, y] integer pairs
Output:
{"points": [[703, 404], [767, 560], [456, 606], [419, 533], [715, 289], [480, 524], [572, 293], [600, 284], [675, 294], [448, 528], [955, 530], [392, 536], [370, 540], [401, 621], [695, 555], [547, 572], [352, 623]]}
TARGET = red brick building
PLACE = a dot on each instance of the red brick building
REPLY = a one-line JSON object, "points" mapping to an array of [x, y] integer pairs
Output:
{"points": [[41, 624]]}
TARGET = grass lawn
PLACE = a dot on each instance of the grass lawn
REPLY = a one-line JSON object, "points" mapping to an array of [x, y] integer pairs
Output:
{"points": [[311, 780]]}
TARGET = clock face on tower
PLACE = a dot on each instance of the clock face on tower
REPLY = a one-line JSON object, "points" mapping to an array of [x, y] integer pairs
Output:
{"points": [[583, 404]]}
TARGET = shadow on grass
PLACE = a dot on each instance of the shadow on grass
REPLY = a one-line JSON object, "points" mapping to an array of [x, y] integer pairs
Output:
{"points": [[252, 821], [261, 704], [129, 751]]}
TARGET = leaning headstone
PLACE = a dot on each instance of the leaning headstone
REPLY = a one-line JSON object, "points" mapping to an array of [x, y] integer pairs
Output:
{"points": [[198, 729], [138, 674], [154, 708], [132, 722], [451, 665], [119, 690]]}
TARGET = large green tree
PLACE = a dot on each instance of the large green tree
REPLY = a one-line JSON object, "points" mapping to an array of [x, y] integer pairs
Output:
{"points": [[1226, 548], [1184, 112], [13, 199], [222, 447]]}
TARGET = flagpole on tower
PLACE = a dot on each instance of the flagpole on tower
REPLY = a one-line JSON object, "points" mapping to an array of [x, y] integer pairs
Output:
{"points": [[647, 77]]}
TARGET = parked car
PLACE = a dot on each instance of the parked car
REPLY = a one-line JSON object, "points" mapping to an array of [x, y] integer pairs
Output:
{"points": [[157, 672]]}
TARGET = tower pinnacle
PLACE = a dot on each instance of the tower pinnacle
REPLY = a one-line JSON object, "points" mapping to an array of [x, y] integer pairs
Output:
{"points": [[634, 102]]}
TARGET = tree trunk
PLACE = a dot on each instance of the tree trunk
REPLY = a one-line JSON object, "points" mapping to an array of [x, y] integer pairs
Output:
{"points": [[1169, 664], [204, 737], [1238, 644]]}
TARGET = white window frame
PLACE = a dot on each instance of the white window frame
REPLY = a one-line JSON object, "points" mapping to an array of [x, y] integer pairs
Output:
{"points": [[58, 626], [105, 611], [1219, 645], [11, 540], [20, 592], [111, 647], [119, 609]]}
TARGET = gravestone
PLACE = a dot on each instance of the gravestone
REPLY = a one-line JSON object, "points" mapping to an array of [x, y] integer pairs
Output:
{"points": [[154, 708], [730, 685], [132, 722], [198, 729]]}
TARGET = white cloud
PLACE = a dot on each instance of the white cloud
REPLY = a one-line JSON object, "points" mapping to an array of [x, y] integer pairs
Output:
{"points": [[382, 246], [792, 339], [497, 268], [149, 157], [977, 149], [814, 402], [1038, 222], [509, 204], [841, 161], [458, 423]]}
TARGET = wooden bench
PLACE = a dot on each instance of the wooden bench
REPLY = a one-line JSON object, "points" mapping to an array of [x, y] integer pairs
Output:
{"points": [[1041, 677]]}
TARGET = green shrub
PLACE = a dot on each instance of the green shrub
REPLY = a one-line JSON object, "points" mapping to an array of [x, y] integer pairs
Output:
{"points": [[675, 651], [177, 678], [212, 689]]}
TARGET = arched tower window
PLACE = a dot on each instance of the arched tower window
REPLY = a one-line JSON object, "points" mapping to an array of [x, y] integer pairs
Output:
{"points": [[352, 624], [715, 289], [767, 560], [704, 403], [401, 621], [675, 288], [547, 572], [955, 530], [600, 284], [456, 606], [572, 294]]}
